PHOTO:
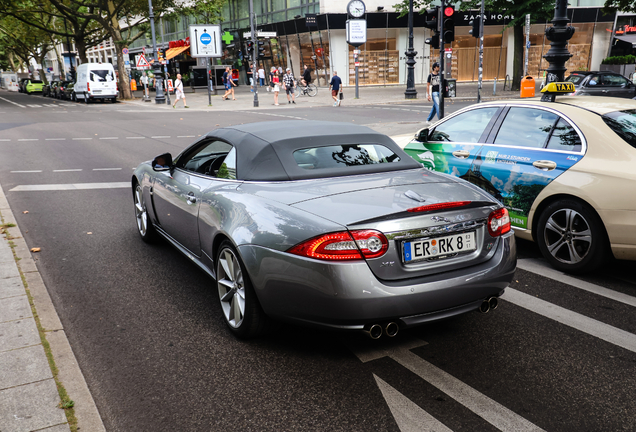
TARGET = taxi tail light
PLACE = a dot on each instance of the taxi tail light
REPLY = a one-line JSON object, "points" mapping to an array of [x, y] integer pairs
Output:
{"points": [[439, 206], [343, 246], [498, 222]]}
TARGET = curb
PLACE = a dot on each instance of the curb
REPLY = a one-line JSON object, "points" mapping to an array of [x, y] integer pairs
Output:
{"points": [[69, 373]]}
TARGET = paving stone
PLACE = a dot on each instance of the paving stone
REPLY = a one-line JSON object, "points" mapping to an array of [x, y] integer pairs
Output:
{"points": [[30, 407], [18, 334], [15, 308], [6, 256], [9, 270], [11, 287], [58, 428], [23, 366]]}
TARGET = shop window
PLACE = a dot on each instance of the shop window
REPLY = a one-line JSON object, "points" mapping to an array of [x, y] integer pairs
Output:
{"points": [[379, 62]]}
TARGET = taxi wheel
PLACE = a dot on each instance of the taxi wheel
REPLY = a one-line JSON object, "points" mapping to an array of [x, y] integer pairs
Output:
{"points": [[572, 238]]}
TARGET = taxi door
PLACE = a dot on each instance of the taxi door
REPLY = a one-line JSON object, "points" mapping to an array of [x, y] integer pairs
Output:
{"points": [[452, 145], [527, 149]]}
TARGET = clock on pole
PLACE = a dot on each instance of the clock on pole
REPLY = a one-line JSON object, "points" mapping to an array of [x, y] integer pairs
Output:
{"points": [[356, 9]]}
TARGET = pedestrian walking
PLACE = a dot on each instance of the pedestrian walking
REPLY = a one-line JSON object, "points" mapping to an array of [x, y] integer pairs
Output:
{"points": [[261, 76], [178, 92], [272, 72], [228, 82], [290, 85], [144, 81], [250, 77], [276, 88], [336, 86], [432, 91]]}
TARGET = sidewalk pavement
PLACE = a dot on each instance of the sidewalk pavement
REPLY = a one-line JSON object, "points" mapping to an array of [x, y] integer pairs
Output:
{"points": [[29, 398], [198, 99]]}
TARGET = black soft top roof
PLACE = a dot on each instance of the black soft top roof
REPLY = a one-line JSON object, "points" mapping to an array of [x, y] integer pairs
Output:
{"points": [[264, 151]]}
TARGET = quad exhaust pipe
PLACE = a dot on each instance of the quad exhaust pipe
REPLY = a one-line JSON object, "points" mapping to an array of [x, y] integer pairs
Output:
{"points": [[488, 305], [375, 331]]}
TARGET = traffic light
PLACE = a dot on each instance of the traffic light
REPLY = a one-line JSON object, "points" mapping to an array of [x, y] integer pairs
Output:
{"points": [[433, 41], [476, 24], [249, 48], [449, 24], [431, 22], [261, 49]]}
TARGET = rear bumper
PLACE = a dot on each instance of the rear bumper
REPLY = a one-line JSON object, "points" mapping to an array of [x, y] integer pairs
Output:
{"points": [[349, 296]]}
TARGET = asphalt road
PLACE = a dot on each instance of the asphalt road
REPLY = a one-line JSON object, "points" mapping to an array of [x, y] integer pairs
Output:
{"points": [[145, 324]]}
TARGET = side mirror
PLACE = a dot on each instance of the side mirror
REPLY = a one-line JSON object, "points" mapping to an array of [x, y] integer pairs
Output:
{"points": [[162, 162], [422, 135]]}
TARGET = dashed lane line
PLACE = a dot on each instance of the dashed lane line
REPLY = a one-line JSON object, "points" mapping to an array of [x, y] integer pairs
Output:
{"points": [[159, 137], [55, 139], [82, 139], [11, 102], [70, 186], [26, 171], [109, 138], [137, 137], [67, 170], [106, 169]]}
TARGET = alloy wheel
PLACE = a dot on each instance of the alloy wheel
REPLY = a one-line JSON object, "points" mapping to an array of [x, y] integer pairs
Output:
{"points": [[568, 236], [141, 213], [231, 288]]}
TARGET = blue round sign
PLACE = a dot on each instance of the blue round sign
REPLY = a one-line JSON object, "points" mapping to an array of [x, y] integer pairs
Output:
{"points": [[205, 39]]}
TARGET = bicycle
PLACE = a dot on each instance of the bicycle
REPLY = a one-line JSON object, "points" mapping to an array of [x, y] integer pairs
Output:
{"points": [[310, 90]]}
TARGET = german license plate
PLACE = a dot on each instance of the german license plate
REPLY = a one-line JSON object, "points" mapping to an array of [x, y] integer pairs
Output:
{"points": [[438, 247]]}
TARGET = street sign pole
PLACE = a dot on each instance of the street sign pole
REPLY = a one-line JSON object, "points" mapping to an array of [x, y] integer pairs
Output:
{"points": [[156, 66], [254, 52], [440, 20], [207, 63], [481, 50]]}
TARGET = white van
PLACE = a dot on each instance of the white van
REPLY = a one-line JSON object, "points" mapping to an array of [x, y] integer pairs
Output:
{"points": [[96, 81]]}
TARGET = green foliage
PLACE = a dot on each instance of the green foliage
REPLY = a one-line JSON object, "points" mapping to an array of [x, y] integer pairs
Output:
{"points": [[619, 60], [204, 11], [612, 6]]}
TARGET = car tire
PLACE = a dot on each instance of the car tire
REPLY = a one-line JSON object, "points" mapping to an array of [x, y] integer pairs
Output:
{"points": [[571, 236], [145, 228], [242, 311]]}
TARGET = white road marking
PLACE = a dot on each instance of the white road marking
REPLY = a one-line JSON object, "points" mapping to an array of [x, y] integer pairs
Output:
{"points": [[28, 139], [538, 267], [4, 139], [68, 170], [55, 139], [408, 415], [137, 137], [11, 102], [186, 136], [106, 169], [70, 186], [82, 139], [158, 137], [23, 172], [572, 319], [34, 106], [494, 413], [109, 138]]}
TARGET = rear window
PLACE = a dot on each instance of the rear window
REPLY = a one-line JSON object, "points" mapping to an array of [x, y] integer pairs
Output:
{"points": [[345, 155], [624, 124], [101, 75], [575, 79], [36, 82]]}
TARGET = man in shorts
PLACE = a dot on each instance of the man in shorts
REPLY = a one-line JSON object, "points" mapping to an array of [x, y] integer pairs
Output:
{"points": [[290, 85], [228, 83], [335, 85], [178, 92]]}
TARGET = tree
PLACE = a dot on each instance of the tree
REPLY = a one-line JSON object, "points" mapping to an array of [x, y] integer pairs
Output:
{"points": [[208, 11], [612, 6], [539, 11], [25, 42]]}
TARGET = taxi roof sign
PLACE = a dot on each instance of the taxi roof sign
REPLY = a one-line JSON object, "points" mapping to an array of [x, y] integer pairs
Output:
{"points": [[554, 88]]}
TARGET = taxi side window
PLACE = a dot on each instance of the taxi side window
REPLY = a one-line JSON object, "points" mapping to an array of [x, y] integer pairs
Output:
{"points": [[564, 138], [466, 127], [526, 127]]}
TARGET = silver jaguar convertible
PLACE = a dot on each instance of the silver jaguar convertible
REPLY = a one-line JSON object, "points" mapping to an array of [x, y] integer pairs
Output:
{"points": [[326, 224]]}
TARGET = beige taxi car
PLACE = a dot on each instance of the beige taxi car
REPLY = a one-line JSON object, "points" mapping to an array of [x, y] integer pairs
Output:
{"points": [[565, 170]]}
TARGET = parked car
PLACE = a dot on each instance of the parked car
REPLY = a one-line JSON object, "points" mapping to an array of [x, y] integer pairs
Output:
{"points": [[51, 88], [325, 224], [68, 92], [96, 81], [565, 171], [22, 84], [60, 90], [46, 89], [603, 83], [33, 86]]}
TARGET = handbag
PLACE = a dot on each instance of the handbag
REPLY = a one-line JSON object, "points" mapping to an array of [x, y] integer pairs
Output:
{"points": [[341, 95]]}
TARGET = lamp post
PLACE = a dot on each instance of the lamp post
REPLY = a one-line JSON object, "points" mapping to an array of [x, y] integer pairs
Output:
{"points": [[160, 98], [410, 92], [558, 35]]}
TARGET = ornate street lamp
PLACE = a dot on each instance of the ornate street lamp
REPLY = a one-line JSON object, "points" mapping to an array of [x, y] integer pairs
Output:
{"points": [[410, 92], [160, 98], [558, 35]]}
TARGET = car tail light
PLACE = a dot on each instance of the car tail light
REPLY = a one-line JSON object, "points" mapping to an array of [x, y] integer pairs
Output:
{"points": [[439, 206], [88, 87], [343, 246], [498, 222]]}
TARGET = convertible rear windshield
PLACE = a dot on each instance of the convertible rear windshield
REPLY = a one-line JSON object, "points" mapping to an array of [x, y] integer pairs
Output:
{"points": [[344, 155], [624, 124]]}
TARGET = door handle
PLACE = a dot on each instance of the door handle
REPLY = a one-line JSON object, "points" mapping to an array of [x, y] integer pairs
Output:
{"points": [[461, 154], [191, 199], [544, 165], [604, 91]]}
